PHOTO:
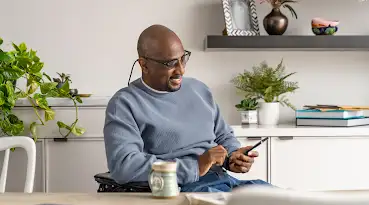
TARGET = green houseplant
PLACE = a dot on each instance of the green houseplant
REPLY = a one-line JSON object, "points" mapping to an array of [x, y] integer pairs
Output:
{"points": [[23, 63], [268, 84], [248, 110], [247, 104]]}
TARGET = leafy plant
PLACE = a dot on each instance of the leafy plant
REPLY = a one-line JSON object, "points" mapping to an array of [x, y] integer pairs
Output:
{"points": [[267, 83], [63, 78], [276, 4], [247, 104], [24, 63]]}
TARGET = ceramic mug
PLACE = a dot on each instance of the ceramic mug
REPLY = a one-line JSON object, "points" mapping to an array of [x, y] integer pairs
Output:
{"points": [[163, 179]]}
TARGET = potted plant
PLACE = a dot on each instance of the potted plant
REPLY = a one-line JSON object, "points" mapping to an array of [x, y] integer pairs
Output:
{"points": [[276, 23], [270, 85], [24, 63], [62, 80], [248, 110]]}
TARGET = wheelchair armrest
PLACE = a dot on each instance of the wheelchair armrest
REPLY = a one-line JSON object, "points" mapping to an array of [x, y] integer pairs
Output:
{"points": [[105, 179]]}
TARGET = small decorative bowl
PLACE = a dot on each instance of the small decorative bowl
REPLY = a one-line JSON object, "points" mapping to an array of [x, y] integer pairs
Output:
{"points": [[325, 30], [321, 26]]}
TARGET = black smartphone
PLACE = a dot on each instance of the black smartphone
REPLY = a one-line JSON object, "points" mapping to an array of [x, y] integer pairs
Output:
{"points": [[256, 145]]}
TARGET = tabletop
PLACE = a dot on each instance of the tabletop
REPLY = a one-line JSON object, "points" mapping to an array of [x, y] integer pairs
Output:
{"points": [[39, 198], [88, 199]]}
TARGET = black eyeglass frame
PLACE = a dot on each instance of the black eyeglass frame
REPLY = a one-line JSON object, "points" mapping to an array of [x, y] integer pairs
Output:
{"points": [[168, 63], [165, 63]]}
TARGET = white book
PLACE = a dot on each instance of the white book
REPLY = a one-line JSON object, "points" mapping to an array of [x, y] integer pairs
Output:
{"points": [[334, 114], [332, 122]]}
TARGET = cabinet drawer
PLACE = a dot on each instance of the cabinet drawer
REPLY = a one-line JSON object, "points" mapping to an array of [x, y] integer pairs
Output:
{"points": [[90, 118]]}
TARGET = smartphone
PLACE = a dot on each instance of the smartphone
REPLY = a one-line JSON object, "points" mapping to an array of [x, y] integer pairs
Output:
{"points": [[256, 145]]}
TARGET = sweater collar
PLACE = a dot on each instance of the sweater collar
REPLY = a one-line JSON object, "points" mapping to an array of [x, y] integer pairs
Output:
{"points": [[152, 89]]}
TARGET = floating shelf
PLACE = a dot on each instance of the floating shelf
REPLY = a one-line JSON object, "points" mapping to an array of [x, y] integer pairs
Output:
{"points": [[287, 43]]}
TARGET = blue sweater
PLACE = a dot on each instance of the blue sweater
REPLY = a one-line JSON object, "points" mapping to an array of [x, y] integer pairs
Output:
{"points": [[143, 126]]}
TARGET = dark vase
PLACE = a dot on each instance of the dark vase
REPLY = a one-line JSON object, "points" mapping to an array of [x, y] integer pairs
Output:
{"points": [[275, 23]]}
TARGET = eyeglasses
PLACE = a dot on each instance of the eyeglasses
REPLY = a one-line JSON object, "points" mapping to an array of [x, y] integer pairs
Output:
{"points": [[173, 63], [168, 64]]}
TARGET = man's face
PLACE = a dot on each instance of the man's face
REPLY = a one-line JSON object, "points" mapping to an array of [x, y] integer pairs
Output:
{"points": [[166, 68]]}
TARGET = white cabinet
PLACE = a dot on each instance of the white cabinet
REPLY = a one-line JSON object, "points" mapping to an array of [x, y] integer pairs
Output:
{"points": [[314, 162], [17, 169], [320, 163], [259, 169], [71, 165]]}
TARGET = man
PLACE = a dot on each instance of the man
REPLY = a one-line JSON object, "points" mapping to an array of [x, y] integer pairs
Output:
{"points": [[165, 116]]}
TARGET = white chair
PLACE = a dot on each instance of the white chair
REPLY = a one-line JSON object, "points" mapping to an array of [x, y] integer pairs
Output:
{"points": [[275, 196], [30, 147]]}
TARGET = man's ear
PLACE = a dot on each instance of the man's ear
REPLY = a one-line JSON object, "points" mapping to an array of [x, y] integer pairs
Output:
{"points": [[142, 63]]}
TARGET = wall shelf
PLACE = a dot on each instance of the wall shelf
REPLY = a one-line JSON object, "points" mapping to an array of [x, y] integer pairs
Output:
{"points": [[287, 43]]}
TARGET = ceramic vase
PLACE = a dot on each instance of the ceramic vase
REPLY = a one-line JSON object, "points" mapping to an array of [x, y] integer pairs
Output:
{"points": [[249, 117], [275, 23], [268, 113]]}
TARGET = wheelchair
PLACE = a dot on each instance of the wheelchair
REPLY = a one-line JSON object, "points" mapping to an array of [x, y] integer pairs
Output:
{"points": [[107, 184]]}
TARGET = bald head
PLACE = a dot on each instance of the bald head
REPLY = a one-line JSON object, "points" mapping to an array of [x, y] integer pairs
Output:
{"points": [[162, 58], [157, 41]]}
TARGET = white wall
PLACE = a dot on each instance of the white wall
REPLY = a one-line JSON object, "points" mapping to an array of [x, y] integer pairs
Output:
{"points": [[81, 37]]}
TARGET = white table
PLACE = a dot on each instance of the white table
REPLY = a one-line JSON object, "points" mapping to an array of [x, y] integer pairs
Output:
{"points": [[101, 199], [87, 199]]}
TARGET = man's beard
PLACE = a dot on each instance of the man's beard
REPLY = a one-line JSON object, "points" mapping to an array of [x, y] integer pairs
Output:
{"points": [[176, 88]]}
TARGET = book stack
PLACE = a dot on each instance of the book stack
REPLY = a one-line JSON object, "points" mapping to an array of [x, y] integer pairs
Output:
{"points": [[332, 116]]}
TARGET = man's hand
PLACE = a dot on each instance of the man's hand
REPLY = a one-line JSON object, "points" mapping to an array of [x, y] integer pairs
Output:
{"points": [[239, 162], [215, 155]]}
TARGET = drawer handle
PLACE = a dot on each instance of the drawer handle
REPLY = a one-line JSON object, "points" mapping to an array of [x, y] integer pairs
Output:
{"points": [[285, 138], [253, 138], [60, 139]]}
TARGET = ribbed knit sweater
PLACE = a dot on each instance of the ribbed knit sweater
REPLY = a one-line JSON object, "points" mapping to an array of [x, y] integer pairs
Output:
{"points": [[143, 126]]}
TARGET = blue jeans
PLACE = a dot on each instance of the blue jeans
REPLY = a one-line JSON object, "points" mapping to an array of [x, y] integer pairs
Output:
{"points": [[215, 181]]}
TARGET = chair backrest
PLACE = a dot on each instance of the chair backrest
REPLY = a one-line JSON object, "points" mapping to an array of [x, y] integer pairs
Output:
{"points": [[30, 147], [277, 196]]}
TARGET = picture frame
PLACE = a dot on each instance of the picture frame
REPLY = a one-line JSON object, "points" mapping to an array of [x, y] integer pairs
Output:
{"points": [[241, 18]]}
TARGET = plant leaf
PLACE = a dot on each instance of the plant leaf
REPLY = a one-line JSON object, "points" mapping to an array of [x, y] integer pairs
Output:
{"points": [[78, 131], [32, 88], [2, 98], [49, 114], [47, 76], [63, 125], [33, 129], [47, 87], [36, 67], [79, 99], [41, 101], [12, 73], [293, 12]]}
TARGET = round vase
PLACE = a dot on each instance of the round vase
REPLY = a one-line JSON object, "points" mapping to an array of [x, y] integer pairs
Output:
{"points": [[268, 113], [275, 23]]}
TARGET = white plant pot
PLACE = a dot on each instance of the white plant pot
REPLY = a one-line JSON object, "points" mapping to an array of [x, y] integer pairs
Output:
{"points": [[268, 113], [249, 117]]}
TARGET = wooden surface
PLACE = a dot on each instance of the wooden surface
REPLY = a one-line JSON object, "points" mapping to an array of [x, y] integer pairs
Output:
{"points": [[87, 199], [104, 198]]}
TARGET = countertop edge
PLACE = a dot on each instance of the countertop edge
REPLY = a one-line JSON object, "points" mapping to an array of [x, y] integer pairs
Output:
{"points": [[94, 101]]}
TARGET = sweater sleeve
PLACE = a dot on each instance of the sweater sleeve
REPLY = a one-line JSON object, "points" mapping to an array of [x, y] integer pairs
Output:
{"points": [[225, 136], [126, 159], [224, 133]]}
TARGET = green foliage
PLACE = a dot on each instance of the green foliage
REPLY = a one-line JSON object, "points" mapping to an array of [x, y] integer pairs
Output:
{"points": [[267, 83], [247, 104], [22, 62]]}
